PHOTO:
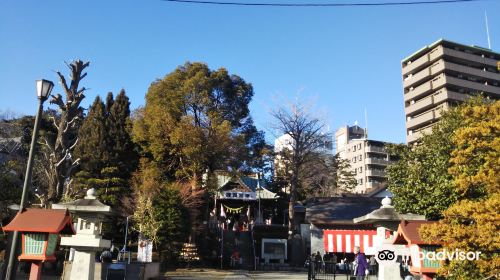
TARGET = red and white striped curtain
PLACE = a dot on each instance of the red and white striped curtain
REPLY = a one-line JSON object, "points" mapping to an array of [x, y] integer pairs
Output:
{"points": [[343, 241]]}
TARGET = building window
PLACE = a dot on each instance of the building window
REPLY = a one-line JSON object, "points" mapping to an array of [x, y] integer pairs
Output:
{"points": [[360, 182], [360, 157], [360, 170], [359, 146]]}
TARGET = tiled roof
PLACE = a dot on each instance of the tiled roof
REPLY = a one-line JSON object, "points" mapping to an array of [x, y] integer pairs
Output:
{"points": [[408, 233], [227, 181], [333, 210], [42, 220]]}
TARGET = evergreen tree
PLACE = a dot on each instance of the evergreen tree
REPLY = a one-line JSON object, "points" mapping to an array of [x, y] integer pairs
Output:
{"points": [[119, 126], [109, 103], [91, 147], [106, 149]]}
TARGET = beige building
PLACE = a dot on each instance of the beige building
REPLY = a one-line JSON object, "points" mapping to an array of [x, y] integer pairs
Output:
{"points": [[441, 75], [368, 158]]}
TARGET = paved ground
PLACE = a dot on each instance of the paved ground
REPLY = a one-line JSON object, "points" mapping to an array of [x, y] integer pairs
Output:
{"points": [[195, 274]]}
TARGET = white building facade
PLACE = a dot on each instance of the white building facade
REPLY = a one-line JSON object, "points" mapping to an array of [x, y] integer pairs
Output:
{"points": [[368, 158]]}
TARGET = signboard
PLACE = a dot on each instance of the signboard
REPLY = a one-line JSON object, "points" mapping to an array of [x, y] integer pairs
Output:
{"points": [[274, 249], [145, 250]]}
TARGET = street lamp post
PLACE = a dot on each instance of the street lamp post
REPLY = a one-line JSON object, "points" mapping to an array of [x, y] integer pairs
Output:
{"points": [[43, 89]]}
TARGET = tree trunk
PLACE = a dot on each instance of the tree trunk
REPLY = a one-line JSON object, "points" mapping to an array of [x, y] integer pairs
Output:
{"points": [[61, 161]]}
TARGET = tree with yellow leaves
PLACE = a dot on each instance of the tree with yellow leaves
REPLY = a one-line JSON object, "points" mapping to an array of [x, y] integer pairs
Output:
{"points": [[473, 222]]}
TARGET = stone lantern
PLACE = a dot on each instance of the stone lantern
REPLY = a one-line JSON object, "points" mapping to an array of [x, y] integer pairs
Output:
{"points": [[387, 219], [90, 214]]}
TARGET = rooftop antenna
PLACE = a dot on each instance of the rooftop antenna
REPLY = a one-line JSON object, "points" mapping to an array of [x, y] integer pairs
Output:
{"points": [[366, 124], [487, 29]]}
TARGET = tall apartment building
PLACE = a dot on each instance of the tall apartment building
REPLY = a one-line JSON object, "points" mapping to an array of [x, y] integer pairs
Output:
{"points": [[368, 158], [441, 75]]}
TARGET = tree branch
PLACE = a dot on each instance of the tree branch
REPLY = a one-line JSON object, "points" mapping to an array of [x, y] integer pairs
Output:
{"points": [[68, 124], [74, 145], [62, 159], [64, 84], [57, 99], [54, 122]]}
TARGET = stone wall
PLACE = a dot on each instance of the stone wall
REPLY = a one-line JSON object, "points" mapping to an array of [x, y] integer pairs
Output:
{"points": [[317, 243], [134, 271]]}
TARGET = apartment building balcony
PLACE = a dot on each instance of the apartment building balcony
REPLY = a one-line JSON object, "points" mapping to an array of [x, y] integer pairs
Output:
{"points": [[433, 100], [376, 149], [423, 61], [424, 89], [422, 119], [427, 73], [440, 51], [480, 87], [370, 185], [377, 161], [418, 134], [470, 57], [472, 71], [375, 173]]}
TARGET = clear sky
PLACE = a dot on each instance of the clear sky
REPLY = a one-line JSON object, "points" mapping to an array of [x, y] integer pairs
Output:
{"points": [[345, 58]]}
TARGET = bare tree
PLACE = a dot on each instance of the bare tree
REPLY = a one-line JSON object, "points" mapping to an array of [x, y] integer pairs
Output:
{"points": [[307, 138], [328, 175], [58, 151]]}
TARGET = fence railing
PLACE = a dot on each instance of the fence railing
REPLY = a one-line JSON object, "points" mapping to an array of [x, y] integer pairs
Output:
{"points": [[319, 270], [328, 271]]}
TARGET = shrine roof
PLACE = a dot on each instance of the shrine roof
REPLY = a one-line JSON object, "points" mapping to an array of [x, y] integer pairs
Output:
{"points": [[227, 181], [42, 220], [339, 210], [408, 233]]}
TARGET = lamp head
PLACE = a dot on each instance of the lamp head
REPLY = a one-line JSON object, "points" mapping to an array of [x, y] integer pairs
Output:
{"points": [[43, 88]]}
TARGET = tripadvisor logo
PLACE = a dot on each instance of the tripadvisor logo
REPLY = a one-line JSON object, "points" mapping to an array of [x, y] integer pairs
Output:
{"points": [[457, 255], [386, 255]]}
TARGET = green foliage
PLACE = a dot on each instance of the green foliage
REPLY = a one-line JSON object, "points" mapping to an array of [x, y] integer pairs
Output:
{"points": [[194, 119], [106, 150], [92, 148], [175, 222], [119, 128], [197, 119], [419, 180], [159, 212], [11, 189]]}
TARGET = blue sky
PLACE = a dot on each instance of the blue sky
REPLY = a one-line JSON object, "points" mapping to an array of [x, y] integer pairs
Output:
{"points": [[345, 59]]}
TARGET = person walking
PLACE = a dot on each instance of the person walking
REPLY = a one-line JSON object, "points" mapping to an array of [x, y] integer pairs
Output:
{"points": [[318, 261], [361, 264], [373, 265]]}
